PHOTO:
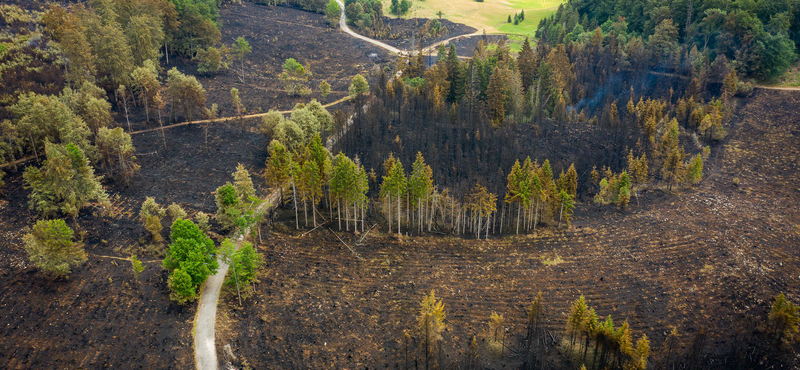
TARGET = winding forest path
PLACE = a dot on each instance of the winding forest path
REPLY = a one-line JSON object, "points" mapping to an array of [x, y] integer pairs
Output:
{"points": [[204, 344], [204, 324]]}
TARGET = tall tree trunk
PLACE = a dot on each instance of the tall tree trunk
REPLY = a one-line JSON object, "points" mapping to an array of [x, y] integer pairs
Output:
{"points": [[399, 215], [305, 208], [339, 211], [314, 209], [164, 136], [294, 198]]}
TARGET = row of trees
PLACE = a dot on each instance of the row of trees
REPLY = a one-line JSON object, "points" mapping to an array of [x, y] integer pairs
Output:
{"points": [[614, 345], [590, 340], [339, 182]]}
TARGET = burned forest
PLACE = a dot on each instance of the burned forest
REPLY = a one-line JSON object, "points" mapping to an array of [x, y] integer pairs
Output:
{"points": [[342, 184]]}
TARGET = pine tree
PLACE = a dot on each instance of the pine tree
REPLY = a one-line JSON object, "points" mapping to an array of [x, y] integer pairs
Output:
{"points": [[240, 50], [236, 101], [639, 354], [50, 247], [185, 91], [227, 201], [454, 75], [589, 327], [146, 85], [42, 119], [358, 86], [567, 206], [496, 326], [65, 183], [117, 153], [513, 193], [342, 183], [498, 94], [278, 166], [324, 87], [243, 184], [310, 184]]}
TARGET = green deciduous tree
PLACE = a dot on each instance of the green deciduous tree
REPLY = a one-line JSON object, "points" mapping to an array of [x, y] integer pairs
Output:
{"points": [[332, 13], [181, 288], [191, 252], [65, 183], [50, 247]]}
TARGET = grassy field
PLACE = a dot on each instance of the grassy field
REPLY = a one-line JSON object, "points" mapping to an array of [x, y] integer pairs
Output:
{"points": [[490, 15]]}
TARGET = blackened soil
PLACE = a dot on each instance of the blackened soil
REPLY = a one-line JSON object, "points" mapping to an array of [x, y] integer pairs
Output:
{"points": [[100, 317]]}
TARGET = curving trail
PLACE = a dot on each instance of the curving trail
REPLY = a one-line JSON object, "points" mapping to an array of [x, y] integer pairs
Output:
{"points": [[344, 27], [205, 351]]}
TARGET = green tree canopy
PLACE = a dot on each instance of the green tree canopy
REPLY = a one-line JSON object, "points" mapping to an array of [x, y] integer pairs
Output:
{"points": [[50, 247], [190, 251], [65, 183], [359, 86]]}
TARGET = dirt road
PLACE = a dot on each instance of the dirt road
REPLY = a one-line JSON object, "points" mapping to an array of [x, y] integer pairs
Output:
{"points": [[205, 352], [346, 29]]}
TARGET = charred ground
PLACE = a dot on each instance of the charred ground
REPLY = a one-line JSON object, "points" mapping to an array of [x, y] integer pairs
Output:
{"points": [[707, 259]]}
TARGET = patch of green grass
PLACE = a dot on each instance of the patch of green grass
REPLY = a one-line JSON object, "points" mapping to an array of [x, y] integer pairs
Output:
{"points": [[490, 15], [552, 262]]}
